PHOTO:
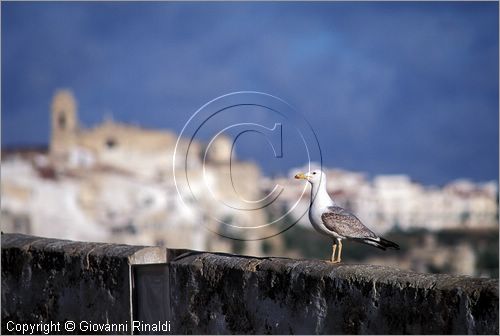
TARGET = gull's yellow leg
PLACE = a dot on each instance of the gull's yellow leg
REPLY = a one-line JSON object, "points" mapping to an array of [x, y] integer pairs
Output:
{"points": [[334, 247], [340, 251]]}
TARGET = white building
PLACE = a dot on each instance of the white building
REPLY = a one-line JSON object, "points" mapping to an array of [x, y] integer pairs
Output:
{"points": [[114, 182], [394, 201]]}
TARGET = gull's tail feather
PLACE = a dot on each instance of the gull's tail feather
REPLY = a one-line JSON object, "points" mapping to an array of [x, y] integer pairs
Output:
{"points": [[381, 243], [388, 244]]}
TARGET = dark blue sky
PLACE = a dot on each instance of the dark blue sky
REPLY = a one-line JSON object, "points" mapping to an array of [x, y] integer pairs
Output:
{"points": [[387, 87]]}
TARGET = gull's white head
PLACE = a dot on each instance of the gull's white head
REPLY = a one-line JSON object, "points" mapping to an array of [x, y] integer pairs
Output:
{"points": [[314, 176]]}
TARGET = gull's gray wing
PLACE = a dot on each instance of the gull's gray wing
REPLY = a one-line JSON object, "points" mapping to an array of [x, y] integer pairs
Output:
{"points": [[346, 224]]}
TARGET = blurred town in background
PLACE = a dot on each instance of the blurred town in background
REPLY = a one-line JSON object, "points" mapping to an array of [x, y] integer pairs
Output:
{"points": [[113, 182]]}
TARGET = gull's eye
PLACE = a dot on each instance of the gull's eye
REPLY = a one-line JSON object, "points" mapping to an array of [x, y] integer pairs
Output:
{"points": [[314, 173]]}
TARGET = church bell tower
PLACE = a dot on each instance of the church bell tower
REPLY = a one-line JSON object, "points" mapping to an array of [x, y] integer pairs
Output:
{"points": [[64, 122]]}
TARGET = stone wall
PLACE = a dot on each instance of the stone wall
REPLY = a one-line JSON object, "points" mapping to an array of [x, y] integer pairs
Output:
{"points": [[52, 280], [49, 280], [213, 293]]}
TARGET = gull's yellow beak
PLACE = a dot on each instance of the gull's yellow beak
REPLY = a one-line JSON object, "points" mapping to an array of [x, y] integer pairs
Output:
{"points": [[301, 176]]}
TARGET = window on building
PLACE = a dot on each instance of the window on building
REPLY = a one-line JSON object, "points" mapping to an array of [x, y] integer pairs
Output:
{"points": [[61, 120], [111, 143]]}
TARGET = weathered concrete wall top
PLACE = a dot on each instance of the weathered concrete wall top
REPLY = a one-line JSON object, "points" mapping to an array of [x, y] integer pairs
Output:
{"points": [[46, 280], [217, 293]]}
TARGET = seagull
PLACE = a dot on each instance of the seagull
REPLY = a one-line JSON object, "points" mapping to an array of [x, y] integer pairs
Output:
{"points": [[331, 220]]}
